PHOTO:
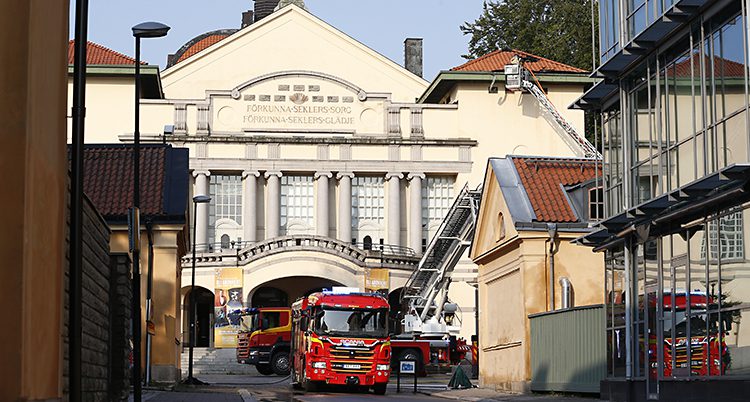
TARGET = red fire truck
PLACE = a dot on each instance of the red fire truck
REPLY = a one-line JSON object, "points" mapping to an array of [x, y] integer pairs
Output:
{"points": [[264, 339], [340, 337], [708, 351]]}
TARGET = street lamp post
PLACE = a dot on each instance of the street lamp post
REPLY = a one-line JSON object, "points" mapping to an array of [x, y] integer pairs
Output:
{"points": [[198, 199], [143, 30]]}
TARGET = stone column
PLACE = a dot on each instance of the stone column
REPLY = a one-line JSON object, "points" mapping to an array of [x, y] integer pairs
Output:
{"points": [[321, 213], [201, 213], [273, 209], [249, 206], [345, 206], [394, 208], [415, 211]]}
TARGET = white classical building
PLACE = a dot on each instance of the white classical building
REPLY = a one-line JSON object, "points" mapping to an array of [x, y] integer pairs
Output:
{"points": [[327, 163]]}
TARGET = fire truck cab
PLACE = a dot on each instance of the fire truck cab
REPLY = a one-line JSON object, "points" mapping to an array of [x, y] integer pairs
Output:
{"points": [[340, 337], [264, 339]]}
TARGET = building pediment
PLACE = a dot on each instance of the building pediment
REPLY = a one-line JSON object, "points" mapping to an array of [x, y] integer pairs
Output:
{"points": [[288, 40]]}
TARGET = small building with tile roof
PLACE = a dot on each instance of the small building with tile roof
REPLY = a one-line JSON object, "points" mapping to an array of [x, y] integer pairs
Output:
{"points": [[531, 209], [108, 183]]}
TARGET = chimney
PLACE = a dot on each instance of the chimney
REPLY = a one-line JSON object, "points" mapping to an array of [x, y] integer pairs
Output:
{"points": [[247, 18], [413, 55], [264, 8]]}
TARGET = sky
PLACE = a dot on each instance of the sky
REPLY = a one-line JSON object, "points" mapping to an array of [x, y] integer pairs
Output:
{"points": [[380, 24]]}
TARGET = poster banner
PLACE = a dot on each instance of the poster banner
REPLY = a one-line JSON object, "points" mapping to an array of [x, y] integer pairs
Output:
{"points": [[377, 280], [227, 306]]}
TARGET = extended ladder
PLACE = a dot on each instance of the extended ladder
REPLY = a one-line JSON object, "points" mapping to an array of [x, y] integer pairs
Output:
{"points": [[427, 287]]}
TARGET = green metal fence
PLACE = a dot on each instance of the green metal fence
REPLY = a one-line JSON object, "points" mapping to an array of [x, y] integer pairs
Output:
{"points": [[568, 351]]}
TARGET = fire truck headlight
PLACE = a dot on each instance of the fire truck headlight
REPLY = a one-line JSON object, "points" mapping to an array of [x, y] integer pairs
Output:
{"points": [[717, 362], [319, 365], [254, 353], [383, 367]]}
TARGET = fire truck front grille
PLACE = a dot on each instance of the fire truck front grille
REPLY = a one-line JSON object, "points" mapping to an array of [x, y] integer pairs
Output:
{"points": [[338, 352], [351, 360]]}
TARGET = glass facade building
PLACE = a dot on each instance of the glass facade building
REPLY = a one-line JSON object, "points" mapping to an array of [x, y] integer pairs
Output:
{"points": [[673, 104]]}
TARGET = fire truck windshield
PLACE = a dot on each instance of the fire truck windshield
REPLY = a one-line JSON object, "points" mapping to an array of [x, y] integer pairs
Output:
{"points": [[250, 322], [698, 324], [354, 323]]}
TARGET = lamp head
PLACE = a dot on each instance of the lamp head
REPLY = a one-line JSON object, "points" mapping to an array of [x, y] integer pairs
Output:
{"points": [[201, 199], [150, 30]]}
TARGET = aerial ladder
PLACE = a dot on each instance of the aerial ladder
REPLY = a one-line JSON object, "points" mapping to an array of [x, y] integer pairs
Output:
{"points": [[428, 312], [518, 77]]}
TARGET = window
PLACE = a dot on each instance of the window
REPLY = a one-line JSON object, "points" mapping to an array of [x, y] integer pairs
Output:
{"points": [[226, 204], [368, 200], [437, 198], [596, 204], [499, 227], [726, 238], [297, 203]]}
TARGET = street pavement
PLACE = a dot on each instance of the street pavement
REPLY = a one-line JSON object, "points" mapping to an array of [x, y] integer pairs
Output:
{"points": [[258, 388]]}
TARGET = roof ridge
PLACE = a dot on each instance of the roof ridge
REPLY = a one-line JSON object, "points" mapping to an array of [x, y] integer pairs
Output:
{"points": [[548, 59], [482, 57]]}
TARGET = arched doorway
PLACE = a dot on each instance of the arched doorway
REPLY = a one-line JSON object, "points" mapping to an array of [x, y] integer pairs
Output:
{"points": [[203, 312], [285, 291], [268, 296]]}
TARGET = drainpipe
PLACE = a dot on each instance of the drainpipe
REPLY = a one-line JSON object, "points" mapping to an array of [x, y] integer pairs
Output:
{"points": [[552, 230], [149, 289], [567, 293]]}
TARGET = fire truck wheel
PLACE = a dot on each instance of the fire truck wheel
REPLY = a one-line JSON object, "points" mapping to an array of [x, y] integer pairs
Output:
{"points": [[264, 369], [280, 363], [379, 389], [411, 354]]}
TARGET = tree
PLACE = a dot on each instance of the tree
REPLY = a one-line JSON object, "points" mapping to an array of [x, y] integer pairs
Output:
{"points": [[556, 29]]}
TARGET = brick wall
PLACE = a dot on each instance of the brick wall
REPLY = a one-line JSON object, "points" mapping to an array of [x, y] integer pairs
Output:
{"points": [[106, 314]]}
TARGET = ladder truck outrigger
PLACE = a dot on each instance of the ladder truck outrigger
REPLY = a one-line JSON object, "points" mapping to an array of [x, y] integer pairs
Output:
{"points": [[430, 323]]}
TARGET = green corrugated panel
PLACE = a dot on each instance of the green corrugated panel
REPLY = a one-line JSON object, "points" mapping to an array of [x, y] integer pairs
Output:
{"points": [[568, 351]]}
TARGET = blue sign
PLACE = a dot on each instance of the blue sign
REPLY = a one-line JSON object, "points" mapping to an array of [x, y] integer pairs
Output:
{"points": [[408, 367]]}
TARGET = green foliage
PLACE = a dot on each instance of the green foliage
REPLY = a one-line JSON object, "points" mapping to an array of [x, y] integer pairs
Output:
{"points": [[556, 29]]}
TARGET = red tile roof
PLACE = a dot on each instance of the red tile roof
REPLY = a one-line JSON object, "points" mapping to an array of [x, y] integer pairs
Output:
{"points": [[542, 179], [201, 45], [496, 61], [108, 180], [722, 67], [98, 54]]}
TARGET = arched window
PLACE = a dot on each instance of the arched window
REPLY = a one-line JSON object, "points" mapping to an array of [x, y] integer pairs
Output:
{"points": [[367, 242], [224, 241], [499, 227]]}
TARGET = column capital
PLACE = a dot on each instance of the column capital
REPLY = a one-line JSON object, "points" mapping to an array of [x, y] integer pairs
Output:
{"points": [[247, 173], [414, 175], [318, 175], [272, 173], [206, 173], [391, 175], [340, 175]]}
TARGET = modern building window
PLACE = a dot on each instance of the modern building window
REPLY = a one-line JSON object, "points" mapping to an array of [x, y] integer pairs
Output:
{"points": [[225, 209], [609, 28], [725, 239], [437, 198], [297, 204]]}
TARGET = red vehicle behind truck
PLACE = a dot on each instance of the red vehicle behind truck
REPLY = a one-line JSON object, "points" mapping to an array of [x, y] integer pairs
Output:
{"points": [[708, 351], [341, 337], [264, 339]]}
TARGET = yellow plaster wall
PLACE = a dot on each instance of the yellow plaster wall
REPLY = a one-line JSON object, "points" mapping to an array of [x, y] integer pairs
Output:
{"points": [[166, 314]]}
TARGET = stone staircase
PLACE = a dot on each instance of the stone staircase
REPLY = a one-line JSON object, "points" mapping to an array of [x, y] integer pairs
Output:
{"points": [[215, 361]]}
